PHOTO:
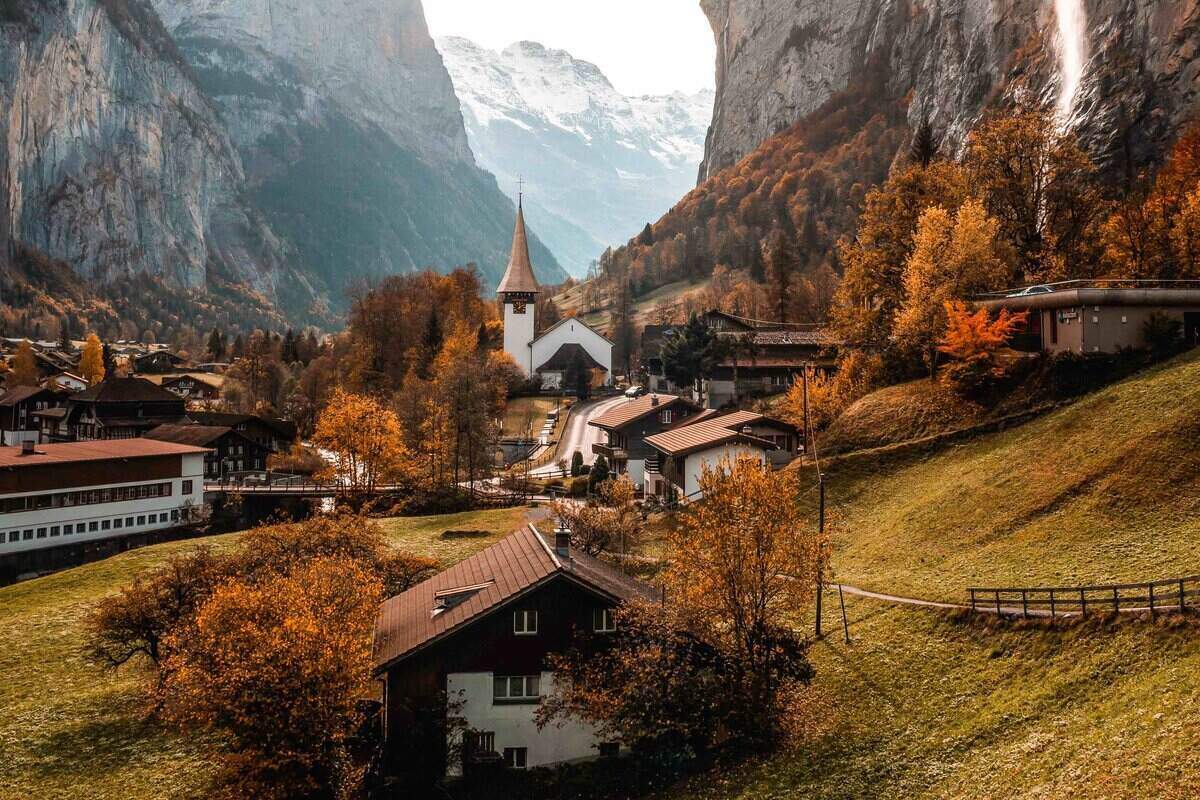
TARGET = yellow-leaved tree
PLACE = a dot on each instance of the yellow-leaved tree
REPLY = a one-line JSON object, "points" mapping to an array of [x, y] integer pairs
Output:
{"points": [[91, 361], [365, 442], [953, 257]]}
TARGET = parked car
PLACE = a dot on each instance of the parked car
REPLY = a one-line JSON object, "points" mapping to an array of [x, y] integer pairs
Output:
{"points": [[1030, 290], [635, 391]]}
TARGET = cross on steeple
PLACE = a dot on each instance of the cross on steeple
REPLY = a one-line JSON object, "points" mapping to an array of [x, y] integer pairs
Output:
{"points": [[520, 188]]}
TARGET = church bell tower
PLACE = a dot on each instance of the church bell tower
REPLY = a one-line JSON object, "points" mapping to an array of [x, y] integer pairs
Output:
{"points": [[518, 291]]}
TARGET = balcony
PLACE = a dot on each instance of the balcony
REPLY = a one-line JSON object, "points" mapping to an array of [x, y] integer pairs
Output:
{"points": [[610, 452]]}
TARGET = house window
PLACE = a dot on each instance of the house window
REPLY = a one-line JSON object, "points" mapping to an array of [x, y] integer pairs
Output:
{"points": [[187, 487], [118, 522], [105, 525], [516, 757], [55, 530], [515, 689], [525, 623], [27, 534], [93, 526], [141, 519], [14, 536], [41, 533], [129, 522], [68, 530], [603, 621], [667, 416]]}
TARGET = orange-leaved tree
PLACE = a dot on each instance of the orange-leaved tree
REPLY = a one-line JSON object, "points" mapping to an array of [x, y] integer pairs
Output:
{"points": [[973, 339], [364, 440], [24, 370], [744, 565], [279, 667]]}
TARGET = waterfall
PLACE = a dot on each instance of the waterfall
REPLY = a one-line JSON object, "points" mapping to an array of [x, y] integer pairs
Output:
{"points": [[1072, 52]]}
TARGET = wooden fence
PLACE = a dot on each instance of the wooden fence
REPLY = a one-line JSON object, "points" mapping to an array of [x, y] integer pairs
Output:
{"points": [[1171, 595]]}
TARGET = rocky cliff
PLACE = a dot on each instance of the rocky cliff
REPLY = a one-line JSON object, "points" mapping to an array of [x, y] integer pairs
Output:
{"points": [[1137, 81], [597, 165], [293, 149], [112, 160]]}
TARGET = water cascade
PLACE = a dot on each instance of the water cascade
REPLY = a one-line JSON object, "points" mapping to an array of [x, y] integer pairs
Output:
{"points": [[1072, 52]]}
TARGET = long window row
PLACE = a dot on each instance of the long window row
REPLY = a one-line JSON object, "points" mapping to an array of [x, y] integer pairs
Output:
{"points": [[75, 528], [37, 502]]}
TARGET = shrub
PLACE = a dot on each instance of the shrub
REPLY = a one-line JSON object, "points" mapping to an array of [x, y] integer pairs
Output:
{"points": [[579, 486], [1163, 334]]}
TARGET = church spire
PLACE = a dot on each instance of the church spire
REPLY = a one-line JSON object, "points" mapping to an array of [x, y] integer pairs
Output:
{"points": [[519, 275]]}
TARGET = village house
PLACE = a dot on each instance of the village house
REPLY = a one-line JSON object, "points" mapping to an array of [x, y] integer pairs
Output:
{"points": [[193, 386], [18, 407], [156, 362], [627, 426], [68, 381], [1078, 318], [549, 355], [480, 634], [115, 408], [277, 435], [683, 452], [229, 451], [59, 500]]}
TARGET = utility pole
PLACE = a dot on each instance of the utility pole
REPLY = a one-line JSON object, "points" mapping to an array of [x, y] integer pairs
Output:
{"points": [[821, 503]]}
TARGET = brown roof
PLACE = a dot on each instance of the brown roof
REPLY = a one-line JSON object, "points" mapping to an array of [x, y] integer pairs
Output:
{"points": [[633, 410], [102, 450], [195, 435], [125, 390], [519, 275], [564, 355], [813, 337], [19, 394], [709, 433], [484, 582]]}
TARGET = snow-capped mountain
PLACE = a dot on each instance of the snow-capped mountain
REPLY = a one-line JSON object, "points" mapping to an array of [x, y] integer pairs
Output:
{"points": [[597, 165]]}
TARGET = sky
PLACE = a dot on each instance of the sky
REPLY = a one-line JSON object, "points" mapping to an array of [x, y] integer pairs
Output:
{"points": [[643, 46]]}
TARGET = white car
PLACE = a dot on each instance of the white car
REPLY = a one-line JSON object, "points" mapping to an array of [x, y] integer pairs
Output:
{"points": [[1032, 290], [635, 391]]}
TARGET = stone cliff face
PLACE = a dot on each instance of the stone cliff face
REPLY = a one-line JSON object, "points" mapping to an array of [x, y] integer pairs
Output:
{"points": [[779, 60], [110, 158]]}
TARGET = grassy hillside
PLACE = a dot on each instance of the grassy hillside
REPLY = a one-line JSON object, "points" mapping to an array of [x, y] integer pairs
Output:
{"points": [[69, 730], [925, 705], [1105, 490]]}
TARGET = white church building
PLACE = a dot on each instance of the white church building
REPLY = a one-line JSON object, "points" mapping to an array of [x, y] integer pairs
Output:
{"points": [[551, 354]]}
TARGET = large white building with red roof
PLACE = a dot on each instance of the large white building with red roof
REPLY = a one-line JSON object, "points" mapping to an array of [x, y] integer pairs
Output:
{"points": [[552, 354]]}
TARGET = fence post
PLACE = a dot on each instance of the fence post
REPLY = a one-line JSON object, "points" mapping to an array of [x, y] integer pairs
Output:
{"points": [[1051, 604], [1024, 605], [1182, 605], [1151, 586], [998, 614], [1116, 601], [1082, 603], [973, 600]]}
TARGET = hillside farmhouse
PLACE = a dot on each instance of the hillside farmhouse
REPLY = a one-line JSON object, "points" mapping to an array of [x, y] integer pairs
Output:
{"points": [[480, 632]]}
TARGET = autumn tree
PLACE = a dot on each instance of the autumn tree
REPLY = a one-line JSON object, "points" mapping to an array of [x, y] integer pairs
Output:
{"points": [[24, 371], [1040, 186], [91, 362], [278, 668], [365, 441], [953, 257], [820, 397], [470, 391], [744, 563], [973, 339], [609, 521]]}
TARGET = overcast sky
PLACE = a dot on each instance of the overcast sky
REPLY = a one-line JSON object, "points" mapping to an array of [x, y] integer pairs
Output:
{"points": [[643, 46]]}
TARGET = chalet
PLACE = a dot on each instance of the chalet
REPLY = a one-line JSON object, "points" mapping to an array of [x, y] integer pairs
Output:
{"points": [[194, 386], [67, 381], [229, 452], [156, 362], [18, 407], [685, 450], [480, 633], [628, 425], [115, 408], [1084, 319], [277, 435]]}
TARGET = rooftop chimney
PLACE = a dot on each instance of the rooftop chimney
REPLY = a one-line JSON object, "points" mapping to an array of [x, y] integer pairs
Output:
{"points": [[27, 446], [562, 540], [653, 400]]}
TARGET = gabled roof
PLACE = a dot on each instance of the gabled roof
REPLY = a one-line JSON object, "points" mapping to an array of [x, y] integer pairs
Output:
{"points": [[125, 390], [576, 320], [483, 583], [19, 394], [195, 435], [100, 450], [713, 432], [518, 277], [633, 410], [564, 355]]}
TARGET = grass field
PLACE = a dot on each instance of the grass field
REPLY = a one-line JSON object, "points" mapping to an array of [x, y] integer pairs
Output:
{"points": [[523, 416], [69, 730], [1105, 490]]}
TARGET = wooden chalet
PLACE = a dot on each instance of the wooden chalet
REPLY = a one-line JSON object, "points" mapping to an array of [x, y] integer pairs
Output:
{"points": [[18, 407], [229, 451], [627, 426], [115, 408], [481, 632], [277, 435]]}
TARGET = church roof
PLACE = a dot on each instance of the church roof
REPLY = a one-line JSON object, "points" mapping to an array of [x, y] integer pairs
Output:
{"points": [[519, 275], [564, 355]]}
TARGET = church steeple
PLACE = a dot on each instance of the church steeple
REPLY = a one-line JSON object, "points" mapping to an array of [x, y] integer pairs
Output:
{"points": [[518, 278]]}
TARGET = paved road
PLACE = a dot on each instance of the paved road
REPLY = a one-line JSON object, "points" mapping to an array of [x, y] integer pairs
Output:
{"points": [[579, 435]]}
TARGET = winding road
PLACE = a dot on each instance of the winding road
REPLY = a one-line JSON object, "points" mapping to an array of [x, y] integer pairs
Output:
{"points": [[579, 435]]}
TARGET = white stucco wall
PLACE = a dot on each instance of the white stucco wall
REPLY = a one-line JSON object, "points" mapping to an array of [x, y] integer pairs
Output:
{"points": [[572, 330], [636, 470], [695, 463], [514, 725], [518, 333]]}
